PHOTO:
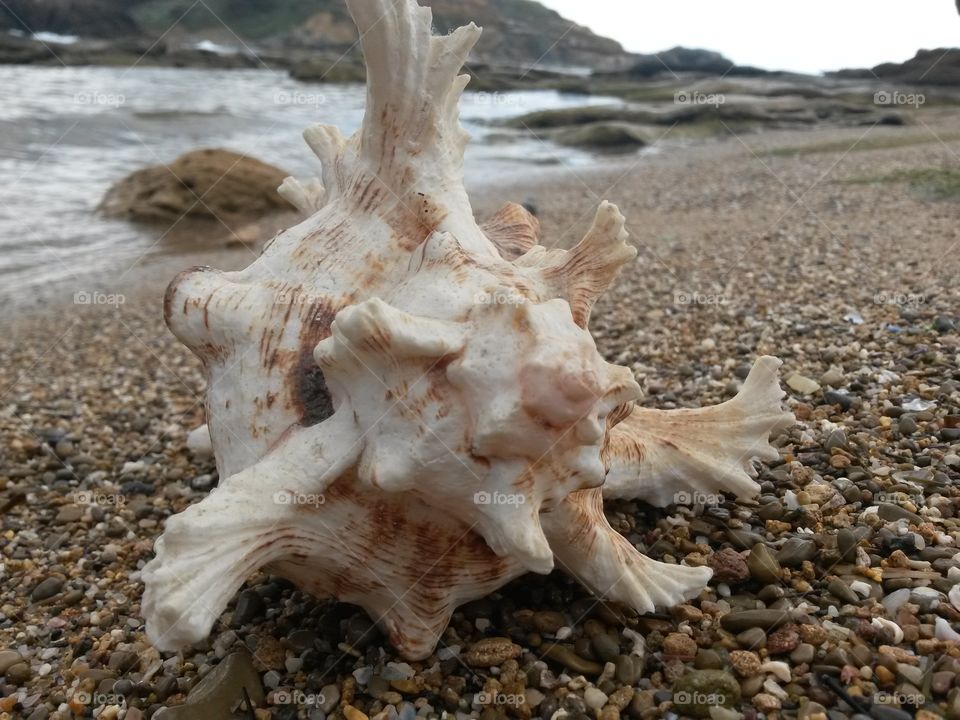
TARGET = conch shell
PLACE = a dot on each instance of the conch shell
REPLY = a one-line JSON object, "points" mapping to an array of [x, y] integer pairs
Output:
{"points": [[407, 408]]}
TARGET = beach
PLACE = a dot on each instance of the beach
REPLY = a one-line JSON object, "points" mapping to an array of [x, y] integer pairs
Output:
{"points": [[835, 249]]}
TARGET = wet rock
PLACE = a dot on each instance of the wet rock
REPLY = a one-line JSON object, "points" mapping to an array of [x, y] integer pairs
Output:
{"points": [[737, 622], [232, 186]]}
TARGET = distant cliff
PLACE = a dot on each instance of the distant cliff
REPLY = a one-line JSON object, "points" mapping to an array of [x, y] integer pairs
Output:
{"points": [[516, 32]]}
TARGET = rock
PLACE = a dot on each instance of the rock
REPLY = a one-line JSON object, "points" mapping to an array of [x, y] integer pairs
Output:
{"points": [[842, 591], [203, 483], [594, 698], [803, 385], [766, 703], [908, 425], [68, 514], [783, 640], [699, 690], [605, 647], [737, 622], [833, 377], [249, 606], [795, 551], [803, 654], [122, 661], [47, 588], [944, 324], [847, 545], [891, 512], [745, 663], [18, 673], [728, 566], [199, 443], [491, 652], [219, 691], [834, 397], [837, 439], [763, 565], [9, 658], [566, 657], [232, 186], [752, 639], [602, 135], [680, 645], [681, 60]]}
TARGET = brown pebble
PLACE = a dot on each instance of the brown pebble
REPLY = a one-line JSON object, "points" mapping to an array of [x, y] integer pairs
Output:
{"points": [[745, 663], [680, 646], [351, 713], [490, 652]]}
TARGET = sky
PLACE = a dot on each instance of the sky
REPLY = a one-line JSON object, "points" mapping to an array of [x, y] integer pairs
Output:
{"points": [[810, 36]]}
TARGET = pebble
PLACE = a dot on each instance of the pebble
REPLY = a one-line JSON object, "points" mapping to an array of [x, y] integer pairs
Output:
{"points": [[802, 384], [745, 663], [842, 591], [763, 565], [18, 673], [493, 651], [737, 622], [249, 606], [752, 639], [847, 545], [565, 656], [594, 698], [795, 551], [9, 658], [680, 645], [728, 566], [697, 691], [47, 588]]}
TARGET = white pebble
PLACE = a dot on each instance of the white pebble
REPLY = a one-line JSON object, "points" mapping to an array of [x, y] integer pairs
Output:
{"points": [[883, 623], [860, 588], [943, 631], [564, 632], [778, 692], [954, 596], [778, 668], [199, 443], [594, 698], [482, 624], [896, 600]]}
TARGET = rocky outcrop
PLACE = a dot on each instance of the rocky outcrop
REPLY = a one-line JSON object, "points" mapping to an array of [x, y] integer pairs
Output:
{"points": [[87, 18], [928, 67], [207, 184], [516, 32]]}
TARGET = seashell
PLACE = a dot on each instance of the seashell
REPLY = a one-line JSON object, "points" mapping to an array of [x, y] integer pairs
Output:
{"points": [[407, 408]]}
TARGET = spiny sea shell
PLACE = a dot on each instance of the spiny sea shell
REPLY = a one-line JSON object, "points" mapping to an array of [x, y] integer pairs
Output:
{"points": [[407, 408]]}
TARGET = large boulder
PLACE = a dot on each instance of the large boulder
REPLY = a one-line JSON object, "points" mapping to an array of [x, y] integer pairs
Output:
{"points": [[681, 60], [201, 184]]}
